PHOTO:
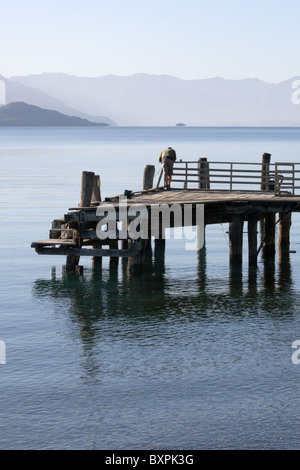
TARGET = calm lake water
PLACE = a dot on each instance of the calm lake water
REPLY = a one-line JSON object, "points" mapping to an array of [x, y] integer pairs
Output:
{"points": [[180, 358]]}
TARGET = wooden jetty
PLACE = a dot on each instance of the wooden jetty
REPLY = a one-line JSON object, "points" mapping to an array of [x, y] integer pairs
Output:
{"points": [[230, 192]]}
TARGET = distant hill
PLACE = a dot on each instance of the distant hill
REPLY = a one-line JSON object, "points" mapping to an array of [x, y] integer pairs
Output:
{"points": [[23, 114], [163, 100], [16, 91]]}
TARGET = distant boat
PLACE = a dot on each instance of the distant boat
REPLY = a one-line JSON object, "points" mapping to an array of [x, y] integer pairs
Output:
{"points": [[180, 124]]}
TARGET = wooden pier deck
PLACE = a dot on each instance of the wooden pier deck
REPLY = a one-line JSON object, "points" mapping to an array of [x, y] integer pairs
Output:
{"points": [[75, 234]]}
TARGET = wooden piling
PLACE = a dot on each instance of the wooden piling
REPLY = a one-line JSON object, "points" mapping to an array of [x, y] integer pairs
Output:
{"points": [[148, 177], [265, 171], [87, 186], [236, 239], [284, 225], [203, 169], [96, 193], [252, 240], [135, 264], [72, 263], [269, 238], [114, 260], [97, 260]]}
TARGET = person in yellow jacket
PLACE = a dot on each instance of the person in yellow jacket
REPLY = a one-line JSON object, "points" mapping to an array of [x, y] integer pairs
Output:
{"points": [[167, 159]]}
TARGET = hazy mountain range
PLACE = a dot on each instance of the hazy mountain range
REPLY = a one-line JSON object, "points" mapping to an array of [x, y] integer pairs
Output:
{"points": [[160, 100], [23, 114]]}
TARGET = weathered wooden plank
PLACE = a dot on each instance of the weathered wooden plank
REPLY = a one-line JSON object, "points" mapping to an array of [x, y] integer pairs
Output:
{"points": [[92, 252], [53, 242]]}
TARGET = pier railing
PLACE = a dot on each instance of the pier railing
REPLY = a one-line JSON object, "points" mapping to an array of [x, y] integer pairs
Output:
{"points": [[281, 177]]}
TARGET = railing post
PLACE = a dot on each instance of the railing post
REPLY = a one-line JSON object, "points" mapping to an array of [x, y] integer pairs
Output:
{"points": [[203, 174], [231, 169], [186, 176], [293, 179], [276, 182], [265, 171]]}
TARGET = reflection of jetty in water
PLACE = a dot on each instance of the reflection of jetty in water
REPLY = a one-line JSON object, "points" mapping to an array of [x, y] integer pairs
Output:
{"points": [[114, 289], [109, 303]]}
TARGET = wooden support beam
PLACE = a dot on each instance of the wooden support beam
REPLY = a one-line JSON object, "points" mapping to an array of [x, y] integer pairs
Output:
{"points": [[284, 225], [236, 239]]}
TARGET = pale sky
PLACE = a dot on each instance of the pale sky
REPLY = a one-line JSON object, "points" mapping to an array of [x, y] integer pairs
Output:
{"points": [[189, 39]]}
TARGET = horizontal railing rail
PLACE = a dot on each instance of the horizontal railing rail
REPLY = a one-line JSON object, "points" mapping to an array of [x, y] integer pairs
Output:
{"points": [[281, 177]]}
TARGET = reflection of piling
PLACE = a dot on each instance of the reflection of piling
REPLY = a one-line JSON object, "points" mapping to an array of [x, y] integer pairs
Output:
{"points": [[284, 269], [202, 264]]}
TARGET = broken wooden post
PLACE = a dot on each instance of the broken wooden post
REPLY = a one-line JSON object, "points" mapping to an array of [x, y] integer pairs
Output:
{"points": [[96, 193], [148, 177], [284, 225], [87, 185], [236, 239], [265, 172], [203, 170]]}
